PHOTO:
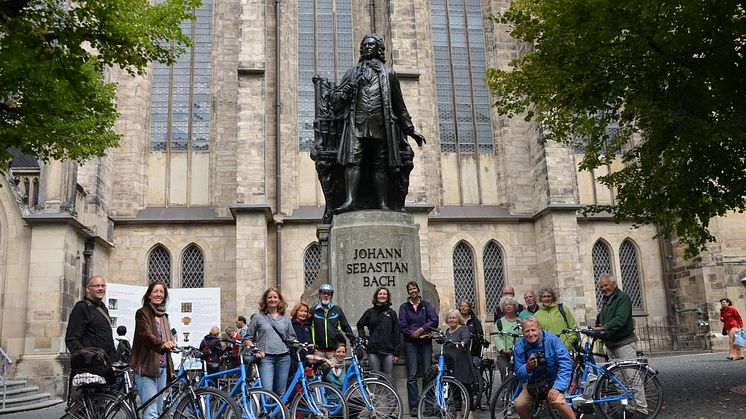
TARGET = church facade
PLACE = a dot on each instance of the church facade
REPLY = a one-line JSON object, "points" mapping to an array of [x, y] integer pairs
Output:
{"points": [[213, 185]]}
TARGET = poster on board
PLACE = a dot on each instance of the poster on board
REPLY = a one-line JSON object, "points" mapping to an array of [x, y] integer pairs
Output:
{"points": [[191, 311]]}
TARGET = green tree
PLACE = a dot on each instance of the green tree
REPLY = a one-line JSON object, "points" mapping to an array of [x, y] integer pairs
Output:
{"points": [[670, 74], [54, 101]]}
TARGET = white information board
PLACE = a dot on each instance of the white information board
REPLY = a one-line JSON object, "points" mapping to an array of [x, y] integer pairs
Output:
{"points": [[191, 311]]}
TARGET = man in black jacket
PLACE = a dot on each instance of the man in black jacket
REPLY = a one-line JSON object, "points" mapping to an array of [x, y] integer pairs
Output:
{"points": [[89, 323]]}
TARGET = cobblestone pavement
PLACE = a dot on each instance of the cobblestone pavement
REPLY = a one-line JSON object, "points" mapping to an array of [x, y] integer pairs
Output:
{"points": [[696, 386]]}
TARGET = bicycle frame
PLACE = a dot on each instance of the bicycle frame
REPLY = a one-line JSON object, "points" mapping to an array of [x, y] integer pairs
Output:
{"points": [[355, 371], [439, 393], [298, 377], [207, 380], [586, 357]]}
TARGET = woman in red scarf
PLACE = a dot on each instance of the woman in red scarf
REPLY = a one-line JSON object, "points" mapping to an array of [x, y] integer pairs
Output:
{"points": [[731, 323]]}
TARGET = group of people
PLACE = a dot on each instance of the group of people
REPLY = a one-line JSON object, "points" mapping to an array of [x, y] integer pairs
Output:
{"points": [[542, 354], [535, 327], [90, 326], [327, 328]]}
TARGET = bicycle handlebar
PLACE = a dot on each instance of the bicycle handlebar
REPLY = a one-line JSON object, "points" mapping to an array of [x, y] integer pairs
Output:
{"points": [[595, 334]]}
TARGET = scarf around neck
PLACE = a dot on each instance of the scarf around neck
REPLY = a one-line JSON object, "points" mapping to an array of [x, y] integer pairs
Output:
{"points": [[159, 310]]}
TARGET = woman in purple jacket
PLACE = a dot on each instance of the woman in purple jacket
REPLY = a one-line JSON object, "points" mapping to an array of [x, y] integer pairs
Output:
{"points": [[416, 318]]}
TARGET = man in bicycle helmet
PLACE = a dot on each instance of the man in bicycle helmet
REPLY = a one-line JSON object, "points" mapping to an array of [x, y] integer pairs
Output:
{"points": [[543, 364], [329, 325]]}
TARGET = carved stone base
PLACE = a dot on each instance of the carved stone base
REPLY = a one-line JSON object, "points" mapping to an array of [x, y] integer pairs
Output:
{"points": [[368, 249]]}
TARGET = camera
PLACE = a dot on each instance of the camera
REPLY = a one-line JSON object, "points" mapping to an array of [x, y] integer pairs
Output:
{"points": [[541, 360]]}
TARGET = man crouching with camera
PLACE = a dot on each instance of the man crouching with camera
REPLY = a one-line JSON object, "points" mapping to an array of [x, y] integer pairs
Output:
{"points": [[544, 367]]}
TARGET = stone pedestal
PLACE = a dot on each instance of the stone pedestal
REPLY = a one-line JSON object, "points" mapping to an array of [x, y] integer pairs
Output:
{"points": [[368, 249]]}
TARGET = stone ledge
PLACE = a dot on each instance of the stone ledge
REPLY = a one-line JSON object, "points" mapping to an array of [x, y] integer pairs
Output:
{"points": [[476, 214], [63, 218], [174, 215]]}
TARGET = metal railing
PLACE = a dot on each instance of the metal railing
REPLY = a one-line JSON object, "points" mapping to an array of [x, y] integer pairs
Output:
{"points": [[5, 363], [690, 333]]}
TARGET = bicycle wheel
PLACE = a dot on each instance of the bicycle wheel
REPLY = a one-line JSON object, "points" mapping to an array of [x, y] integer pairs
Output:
{"points": [[378, 375], [382, 400], [101, 406], [642, 382], [487, 380], [261, 403], [320, 400], [503, 403], [207, 403], [456, 403]]}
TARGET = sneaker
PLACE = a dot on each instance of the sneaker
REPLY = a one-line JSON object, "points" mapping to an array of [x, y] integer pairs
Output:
{"points": [[413, 413]]}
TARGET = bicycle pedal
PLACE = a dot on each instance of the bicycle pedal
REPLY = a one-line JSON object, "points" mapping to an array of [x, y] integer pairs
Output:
{"points": [[580, 400]]}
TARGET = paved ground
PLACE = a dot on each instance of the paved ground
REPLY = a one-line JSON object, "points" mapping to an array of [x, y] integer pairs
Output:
{"points": [[697, 386]]}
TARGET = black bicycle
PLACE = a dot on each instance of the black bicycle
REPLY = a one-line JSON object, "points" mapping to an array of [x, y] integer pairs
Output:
{"points": [[486, 369], [183, 401]]}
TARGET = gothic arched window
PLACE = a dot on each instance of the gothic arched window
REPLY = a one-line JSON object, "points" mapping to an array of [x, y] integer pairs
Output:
{"points": [[193, 267], [601, 257], [494, 275], [311, 264], [630, 273], [326, 48], [159, 265], [463, 274]]}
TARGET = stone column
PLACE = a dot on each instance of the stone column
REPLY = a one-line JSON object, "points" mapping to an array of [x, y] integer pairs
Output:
{"points": [[53, 268], [558, 259], [252, 242]]}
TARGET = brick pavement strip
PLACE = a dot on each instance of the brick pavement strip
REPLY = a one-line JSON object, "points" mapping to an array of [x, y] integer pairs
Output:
{"points": [[695, 386]]}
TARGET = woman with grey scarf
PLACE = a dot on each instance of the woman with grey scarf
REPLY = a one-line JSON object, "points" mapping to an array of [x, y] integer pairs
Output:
{"points": [[150, 358]]}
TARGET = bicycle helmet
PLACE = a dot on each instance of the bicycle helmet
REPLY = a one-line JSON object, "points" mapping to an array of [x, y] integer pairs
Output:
{"points": [[326, 288]]}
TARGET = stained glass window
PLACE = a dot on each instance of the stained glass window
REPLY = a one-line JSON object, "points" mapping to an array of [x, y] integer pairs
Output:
{"points": [[630, 273], [311, 265], [180, 93], [494, 275], [463, 274], [159, 265], [193, 267], [601, 257], [326, 48], [460, 63]]}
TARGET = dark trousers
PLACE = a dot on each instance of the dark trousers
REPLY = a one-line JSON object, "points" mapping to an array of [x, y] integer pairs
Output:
{"points": [[418, 354]]}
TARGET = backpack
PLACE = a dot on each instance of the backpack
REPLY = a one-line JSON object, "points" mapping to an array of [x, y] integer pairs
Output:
{"points": [[92, 360], [123, 350], [561, 309]]}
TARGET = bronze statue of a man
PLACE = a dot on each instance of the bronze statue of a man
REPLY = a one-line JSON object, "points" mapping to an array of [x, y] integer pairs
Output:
{"points": [[376, 121]]}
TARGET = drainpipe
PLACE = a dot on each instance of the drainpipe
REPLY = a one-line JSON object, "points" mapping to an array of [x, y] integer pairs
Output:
{"points": [[372, 6], [278, 139], [666, 252]]}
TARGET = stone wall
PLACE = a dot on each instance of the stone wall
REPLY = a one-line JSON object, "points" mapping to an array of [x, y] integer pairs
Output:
{"points": [[128, 261]]}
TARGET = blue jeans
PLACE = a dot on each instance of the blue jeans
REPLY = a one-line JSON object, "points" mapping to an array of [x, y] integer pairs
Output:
{"points": [[146, 388], [422, 353], [273, 370]]}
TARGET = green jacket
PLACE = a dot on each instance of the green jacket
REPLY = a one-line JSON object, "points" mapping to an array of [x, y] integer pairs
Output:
{"points": [[552, 321], [616, 319], [507, 342]]}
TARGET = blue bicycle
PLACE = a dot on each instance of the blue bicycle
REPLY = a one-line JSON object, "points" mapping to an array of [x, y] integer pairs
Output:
{"points": [[445, 397], [616, 388], [366, 394], [255, 402], [311, 398]]}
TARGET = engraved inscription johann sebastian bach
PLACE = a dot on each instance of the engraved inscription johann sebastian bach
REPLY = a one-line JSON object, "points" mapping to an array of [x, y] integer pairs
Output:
{"points": [[378, 267]]}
